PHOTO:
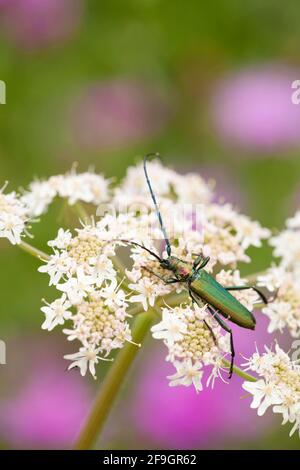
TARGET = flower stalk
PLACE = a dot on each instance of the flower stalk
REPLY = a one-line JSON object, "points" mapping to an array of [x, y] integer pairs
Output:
{"points": [[33, 251], [113, 382], [241, 373]]}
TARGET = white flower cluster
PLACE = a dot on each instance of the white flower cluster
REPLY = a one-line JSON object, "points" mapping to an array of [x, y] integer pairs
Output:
{"points": [[193, 341], [284, 280], [278, 386], [168, 185], [14, 217], [82, 268], [85, 187], [227, 234], [16, 211]]}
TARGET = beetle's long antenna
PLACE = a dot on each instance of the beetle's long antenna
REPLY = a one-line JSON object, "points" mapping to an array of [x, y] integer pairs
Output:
{"points": [[140, 246], [168, 245]]}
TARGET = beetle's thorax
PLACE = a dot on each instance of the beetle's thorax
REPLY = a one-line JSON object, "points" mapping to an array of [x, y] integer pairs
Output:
{"points": [[180, 268]]}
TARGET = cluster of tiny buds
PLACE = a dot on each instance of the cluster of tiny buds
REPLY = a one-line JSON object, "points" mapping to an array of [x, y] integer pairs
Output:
{"points": [[193, 341]]}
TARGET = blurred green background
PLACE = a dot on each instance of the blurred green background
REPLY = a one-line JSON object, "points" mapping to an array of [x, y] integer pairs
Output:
{"points": [[64, 75]]}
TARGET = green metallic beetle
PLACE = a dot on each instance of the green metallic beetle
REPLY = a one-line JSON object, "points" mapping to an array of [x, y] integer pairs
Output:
{"points": [[201, 285]]}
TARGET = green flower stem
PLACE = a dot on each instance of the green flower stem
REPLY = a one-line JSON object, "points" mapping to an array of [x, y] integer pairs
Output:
{"points": [[34, 251], [241, 373], [117, 373], [113, 382], [80, 211]]}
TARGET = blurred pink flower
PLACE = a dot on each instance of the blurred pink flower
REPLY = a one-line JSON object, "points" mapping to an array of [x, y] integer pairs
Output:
{"points": [[49, 406], [34, 24], [253, 108], [119, 112], [178, 418]]}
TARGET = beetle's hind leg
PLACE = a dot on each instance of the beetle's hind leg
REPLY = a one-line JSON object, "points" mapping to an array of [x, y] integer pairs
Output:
{"points": [[258, 291], [195, 300], [225, 327]]}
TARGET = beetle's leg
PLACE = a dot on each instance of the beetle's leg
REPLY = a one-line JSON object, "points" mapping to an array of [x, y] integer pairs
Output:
{"points": [[200, 262], [258, 291], [197, 261], [167, 280], [224, 325], [194, 299]]}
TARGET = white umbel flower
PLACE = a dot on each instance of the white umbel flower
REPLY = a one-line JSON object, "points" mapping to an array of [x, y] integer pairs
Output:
{"points": [[284, 280], [85, 359], [278, 386], [38, 197], [62, 240], [170, 329], [84, 267], [56, 313], [86, 187], [283, 310], [191, 344], [58, 265], [78, 287], [14, 216], [146, 292], [187, 374], [264, 395]]}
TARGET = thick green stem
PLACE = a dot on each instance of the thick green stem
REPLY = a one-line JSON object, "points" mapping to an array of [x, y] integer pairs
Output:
{"points": [[80, 211], [33, 251], [113, 382]]}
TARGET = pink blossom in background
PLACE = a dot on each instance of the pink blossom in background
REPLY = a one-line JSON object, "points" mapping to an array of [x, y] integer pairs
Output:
{"points": [[117, 113], [48, 406], [35, 24], [179, 418], [253, 109]]}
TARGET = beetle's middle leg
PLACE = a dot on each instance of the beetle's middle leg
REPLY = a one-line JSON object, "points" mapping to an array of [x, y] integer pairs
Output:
{"points": [[258, 291], [225, 327], [167, 280]]}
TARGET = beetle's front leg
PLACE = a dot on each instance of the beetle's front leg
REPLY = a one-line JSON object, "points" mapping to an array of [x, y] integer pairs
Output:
{"points": [[166, 280], [258, 291], [225, 327]]}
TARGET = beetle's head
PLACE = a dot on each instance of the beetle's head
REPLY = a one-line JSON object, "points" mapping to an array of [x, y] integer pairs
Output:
{"points": [[165, 263], [169, 263]]}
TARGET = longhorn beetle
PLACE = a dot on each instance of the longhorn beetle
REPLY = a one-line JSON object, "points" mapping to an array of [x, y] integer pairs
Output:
{"points": [[200, 284]]}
